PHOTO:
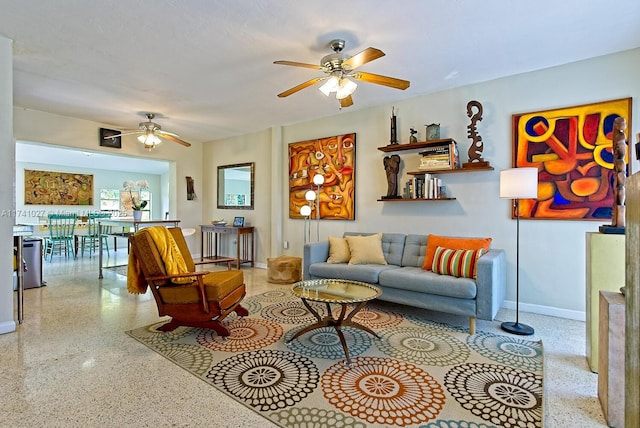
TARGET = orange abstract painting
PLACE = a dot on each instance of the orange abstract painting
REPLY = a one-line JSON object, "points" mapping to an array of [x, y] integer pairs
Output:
{"points": [[334, 159], [572, 149]]}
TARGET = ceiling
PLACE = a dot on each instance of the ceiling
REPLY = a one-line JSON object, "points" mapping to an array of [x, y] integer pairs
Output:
{"points": [[205, 67]]}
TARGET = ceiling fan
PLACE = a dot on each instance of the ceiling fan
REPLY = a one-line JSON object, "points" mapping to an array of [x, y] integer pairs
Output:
{"points": [[150, 134], [340, 69]]}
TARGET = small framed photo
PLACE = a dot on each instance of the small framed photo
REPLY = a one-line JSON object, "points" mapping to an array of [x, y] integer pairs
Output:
{"points": [[238, 222], [108, 138]]}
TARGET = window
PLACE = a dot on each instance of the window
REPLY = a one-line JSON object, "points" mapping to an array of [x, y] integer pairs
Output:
{"points": [[118, 202]]}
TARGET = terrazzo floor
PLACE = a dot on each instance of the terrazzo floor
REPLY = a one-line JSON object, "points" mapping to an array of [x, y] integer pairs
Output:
{"points": [[70, 364]]}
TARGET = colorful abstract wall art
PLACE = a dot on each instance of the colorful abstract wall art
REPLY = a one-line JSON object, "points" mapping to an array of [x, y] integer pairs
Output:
{"points": [[571, 147], [57, 188], [334, 158]]}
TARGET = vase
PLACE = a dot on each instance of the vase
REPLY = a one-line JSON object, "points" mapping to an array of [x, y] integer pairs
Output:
{"points": [[137, 215]]}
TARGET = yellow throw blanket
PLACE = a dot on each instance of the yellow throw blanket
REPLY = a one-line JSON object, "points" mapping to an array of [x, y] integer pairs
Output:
{"points": [[171, 257]]}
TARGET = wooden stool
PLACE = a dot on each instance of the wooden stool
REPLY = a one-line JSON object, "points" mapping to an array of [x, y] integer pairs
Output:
{"points": [[284, 270]]}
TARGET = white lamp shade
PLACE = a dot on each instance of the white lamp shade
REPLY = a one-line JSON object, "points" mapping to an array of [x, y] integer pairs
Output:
{"points": [[318, 179], [305, 210], [331, 85], [310, 195], [346, 88], [519, 183]]}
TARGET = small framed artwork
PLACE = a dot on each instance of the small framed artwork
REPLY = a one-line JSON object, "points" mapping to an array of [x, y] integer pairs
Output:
{"points": [[238, 222], [108, 138]]}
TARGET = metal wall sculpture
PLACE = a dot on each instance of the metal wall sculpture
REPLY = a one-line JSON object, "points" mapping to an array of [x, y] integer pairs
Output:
{"points": [[573, 150], [334, 158]]}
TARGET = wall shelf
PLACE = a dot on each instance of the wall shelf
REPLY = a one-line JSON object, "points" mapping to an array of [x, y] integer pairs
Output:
{"points": [[413, 146], [416, 200], [451, 171]]}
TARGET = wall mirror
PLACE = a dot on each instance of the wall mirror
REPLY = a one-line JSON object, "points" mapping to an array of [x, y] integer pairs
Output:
{"points": [[235, 186]]}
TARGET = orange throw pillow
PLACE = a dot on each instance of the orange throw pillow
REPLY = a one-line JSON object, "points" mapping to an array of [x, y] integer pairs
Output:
{"points": [[435, 241]]}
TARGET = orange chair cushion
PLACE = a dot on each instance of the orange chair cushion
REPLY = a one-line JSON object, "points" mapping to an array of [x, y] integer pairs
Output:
{"points": [[217, 286]]}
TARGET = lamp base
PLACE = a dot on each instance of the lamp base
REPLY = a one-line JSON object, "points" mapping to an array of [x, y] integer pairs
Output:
{"points": [[517, 328]]}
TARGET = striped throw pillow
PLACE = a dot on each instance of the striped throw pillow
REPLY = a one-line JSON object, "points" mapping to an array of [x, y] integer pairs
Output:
{"points": [[458, 263]]}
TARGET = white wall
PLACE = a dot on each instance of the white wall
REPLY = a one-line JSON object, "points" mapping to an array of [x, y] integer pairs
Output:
{"points": [[256, 148], [552, 253], [7, 162]]}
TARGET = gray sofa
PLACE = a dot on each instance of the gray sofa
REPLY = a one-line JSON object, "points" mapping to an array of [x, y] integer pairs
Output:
{"points": [[404, 281]]}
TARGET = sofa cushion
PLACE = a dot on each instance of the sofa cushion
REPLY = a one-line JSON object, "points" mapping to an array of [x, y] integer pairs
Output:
{"points": [[363, 273], [392, 245], [415, 249], [417, 279], [338, 250], [458, 263], [435, 241], [366, 249]]}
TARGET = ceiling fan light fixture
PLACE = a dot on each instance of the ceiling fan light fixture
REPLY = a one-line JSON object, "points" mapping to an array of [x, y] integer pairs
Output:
{"points": [[345, 88], [331, 85], [150, 140]]}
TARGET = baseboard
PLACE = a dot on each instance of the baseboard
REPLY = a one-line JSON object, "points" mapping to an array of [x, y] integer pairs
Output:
{"points": [[7, 327], [547, 310]]}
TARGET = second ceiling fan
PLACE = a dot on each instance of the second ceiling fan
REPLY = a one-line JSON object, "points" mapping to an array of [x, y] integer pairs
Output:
{"points": [[340, 68], [150, 134]]}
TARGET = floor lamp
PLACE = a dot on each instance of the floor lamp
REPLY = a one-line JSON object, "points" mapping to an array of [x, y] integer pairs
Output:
{"points": [[516, 184]]}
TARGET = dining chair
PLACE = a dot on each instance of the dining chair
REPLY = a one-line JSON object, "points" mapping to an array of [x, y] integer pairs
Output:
{"points": [[92, 239], [61, 227]]}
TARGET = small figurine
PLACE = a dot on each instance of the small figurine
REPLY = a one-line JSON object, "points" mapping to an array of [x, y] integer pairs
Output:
{"points": [[413, 138]]}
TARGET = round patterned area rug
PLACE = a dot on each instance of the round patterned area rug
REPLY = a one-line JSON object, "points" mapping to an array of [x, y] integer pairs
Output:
{"points": [[419, 373]]}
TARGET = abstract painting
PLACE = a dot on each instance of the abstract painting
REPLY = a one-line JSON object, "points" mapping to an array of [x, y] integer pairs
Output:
{"points": [[335, 159], [57, 188], [571, 147]]}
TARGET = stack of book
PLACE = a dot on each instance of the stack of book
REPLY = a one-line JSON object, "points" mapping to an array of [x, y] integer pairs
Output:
{"points": [[440, 156], [426, 187]]}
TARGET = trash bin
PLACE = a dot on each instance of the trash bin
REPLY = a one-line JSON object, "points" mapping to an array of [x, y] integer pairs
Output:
{"points": [[32, 256]]}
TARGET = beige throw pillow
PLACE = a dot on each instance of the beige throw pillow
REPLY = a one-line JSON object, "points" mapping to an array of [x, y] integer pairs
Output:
{"points": [[366, 249], [338, 250]]}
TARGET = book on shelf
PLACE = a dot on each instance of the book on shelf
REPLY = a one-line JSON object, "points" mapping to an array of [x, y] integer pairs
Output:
{"points": [[426, 187], [440, 156]]}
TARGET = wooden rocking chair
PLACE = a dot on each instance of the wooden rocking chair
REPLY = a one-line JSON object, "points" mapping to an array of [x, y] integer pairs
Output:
{"points": [[204, 302]]}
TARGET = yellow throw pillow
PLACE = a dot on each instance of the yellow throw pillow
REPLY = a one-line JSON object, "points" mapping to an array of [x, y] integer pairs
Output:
{"points": [[338, 250], [366, 249]]}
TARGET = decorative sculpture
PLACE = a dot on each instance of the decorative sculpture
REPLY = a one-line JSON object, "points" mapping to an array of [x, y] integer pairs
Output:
{"points": [[394, 134], [619, 149], [619, 171], [391, 167], [475, 151], [413, 138]]}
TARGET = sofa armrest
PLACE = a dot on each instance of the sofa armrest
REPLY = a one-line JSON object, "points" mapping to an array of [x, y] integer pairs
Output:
{"points": [[314, 252], [491, 280]]}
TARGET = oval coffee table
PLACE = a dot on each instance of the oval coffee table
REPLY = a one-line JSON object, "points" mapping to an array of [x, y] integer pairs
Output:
{"points": [[336, 291]]}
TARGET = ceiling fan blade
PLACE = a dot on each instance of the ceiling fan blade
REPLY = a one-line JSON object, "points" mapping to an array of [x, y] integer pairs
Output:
{"points": [[123, 133], [301, 86], [346, 102], [361, 58], [173, 137], [298, 64], [378, 79]]}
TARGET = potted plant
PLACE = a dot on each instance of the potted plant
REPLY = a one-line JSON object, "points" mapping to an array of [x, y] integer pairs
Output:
{"points": [[138, 205]]}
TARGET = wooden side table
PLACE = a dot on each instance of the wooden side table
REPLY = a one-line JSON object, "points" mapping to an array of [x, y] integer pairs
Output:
{"points": [[611, 357], [245, 248]]}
